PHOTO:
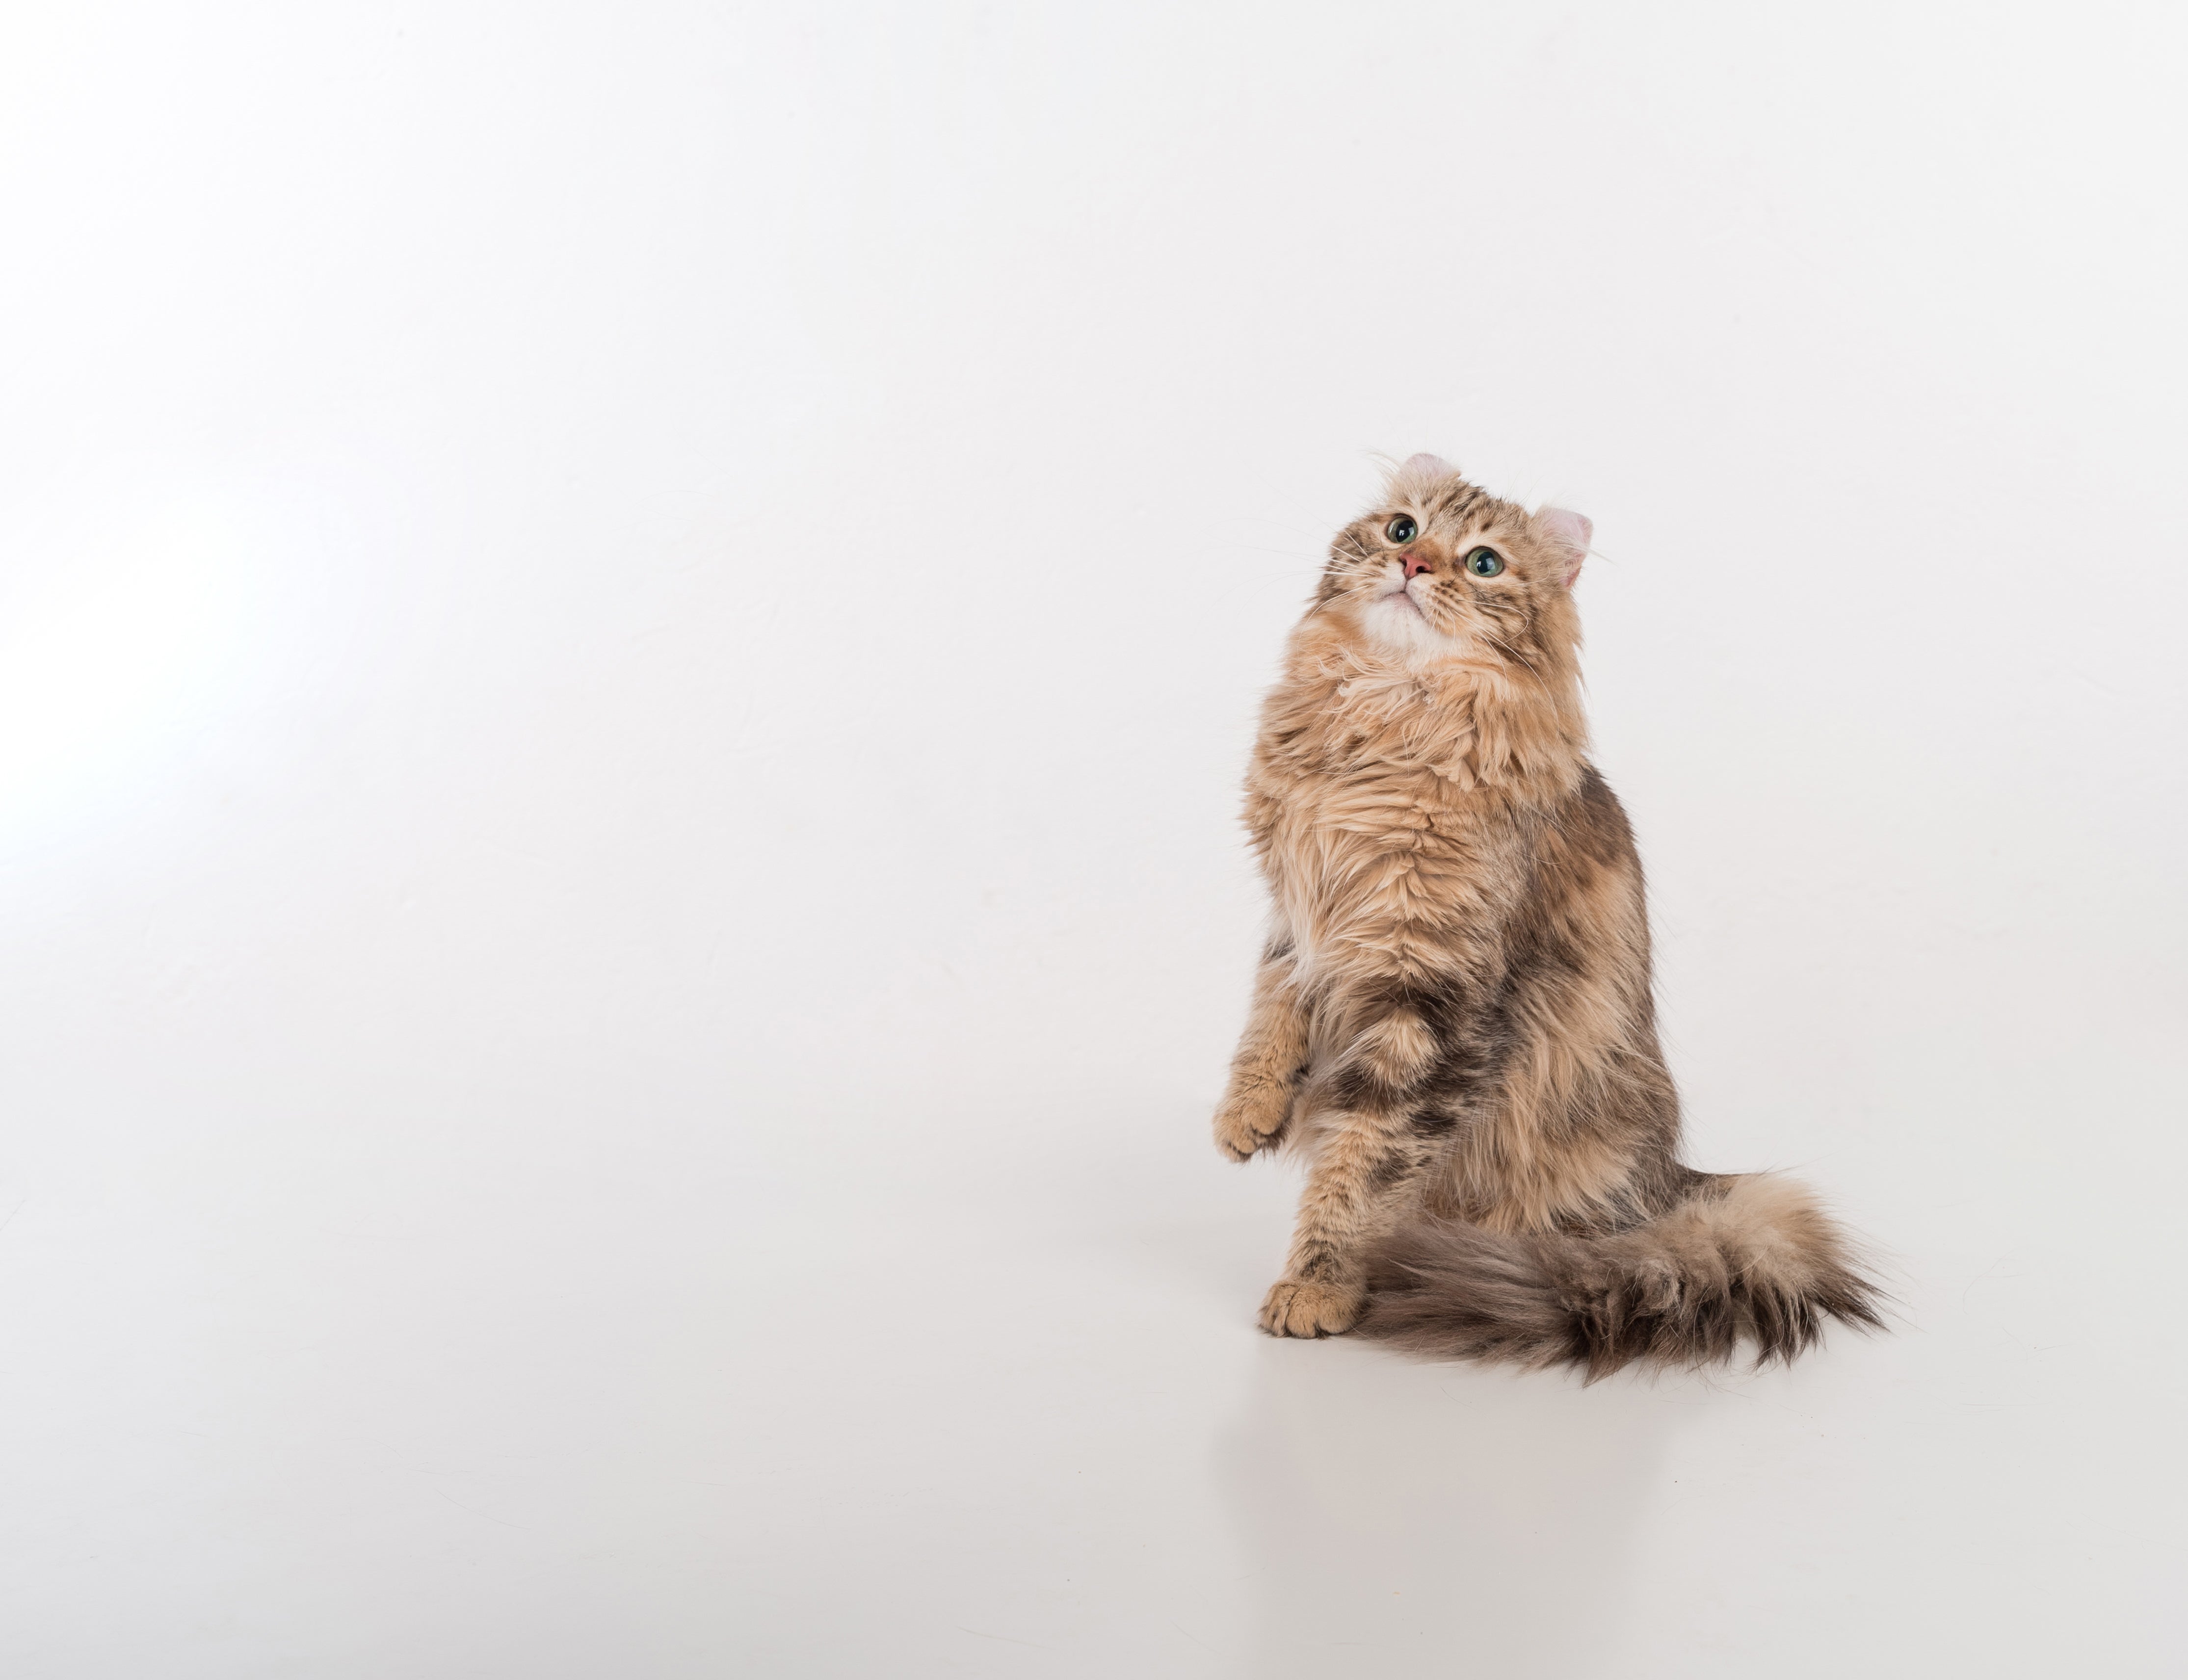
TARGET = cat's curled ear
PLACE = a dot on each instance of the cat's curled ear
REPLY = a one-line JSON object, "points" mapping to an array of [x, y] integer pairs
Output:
{"points": [[1418, 476], [1566, 535]]}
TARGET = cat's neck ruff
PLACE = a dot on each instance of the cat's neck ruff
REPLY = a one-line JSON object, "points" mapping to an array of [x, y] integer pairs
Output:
{"points": [[1479, 722]]}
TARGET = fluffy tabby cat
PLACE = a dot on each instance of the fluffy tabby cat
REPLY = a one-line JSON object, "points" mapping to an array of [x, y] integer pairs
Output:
{"points": [[1452, 1021]]}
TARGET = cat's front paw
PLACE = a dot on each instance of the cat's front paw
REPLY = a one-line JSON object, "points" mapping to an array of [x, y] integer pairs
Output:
{"points": [[1250, 1119], [1296, 1307]]}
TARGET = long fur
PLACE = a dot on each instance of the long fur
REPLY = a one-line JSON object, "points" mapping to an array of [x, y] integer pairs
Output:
{"points": [[1751, 1261], [1453, 1024]]}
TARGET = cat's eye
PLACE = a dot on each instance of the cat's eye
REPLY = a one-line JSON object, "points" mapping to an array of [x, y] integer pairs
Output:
{"points": [[1484, 563], [1402, 529]]}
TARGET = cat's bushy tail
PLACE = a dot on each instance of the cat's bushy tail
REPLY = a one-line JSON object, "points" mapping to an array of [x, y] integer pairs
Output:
{"points": [[1748, 1260]]}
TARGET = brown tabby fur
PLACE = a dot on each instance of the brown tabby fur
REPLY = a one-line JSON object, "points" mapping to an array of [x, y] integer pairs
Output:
{"points": [[1453, 1022]]}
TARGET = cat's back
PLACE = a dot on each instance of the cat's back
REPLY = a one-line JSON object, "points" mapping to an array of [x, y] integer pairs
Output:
{"points": [[1592, 827], [1585, 902]]}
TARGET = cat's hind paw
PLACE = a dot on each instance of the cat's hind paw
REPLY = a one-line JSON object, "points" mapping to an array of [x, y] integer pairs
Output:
{"points": [[1297, 1307]]}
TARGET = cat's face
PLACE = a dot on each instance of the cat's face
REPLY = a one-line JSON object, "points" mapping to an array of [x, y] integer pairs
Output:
{"points": [[1441, 568]]}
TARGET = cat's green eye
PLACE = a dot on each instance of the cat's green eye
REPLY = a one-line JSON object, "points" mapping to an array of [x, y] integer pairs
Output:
{"points": [[1484, 563], [1402, 529]]}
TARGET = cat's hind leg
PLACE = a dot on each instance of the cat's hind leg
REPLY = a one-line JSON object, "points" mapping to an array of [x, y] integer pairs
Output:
{"points": [[1363, 1164], [1366, 1144]]}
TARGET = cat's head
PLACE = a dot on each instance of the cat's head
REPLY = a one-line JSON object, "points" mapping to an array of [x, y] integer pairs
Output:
{"points": [[1440, 567]]}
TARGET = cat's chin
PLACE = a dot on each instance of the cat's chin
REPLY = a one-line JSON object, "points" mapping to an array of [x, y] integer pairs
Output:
{"points": [[1393, 623]]}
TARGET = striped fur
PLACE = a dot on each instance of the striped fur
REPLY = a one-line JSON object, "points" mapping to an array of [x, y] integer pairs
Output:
{"points": [[1452, 1023]]}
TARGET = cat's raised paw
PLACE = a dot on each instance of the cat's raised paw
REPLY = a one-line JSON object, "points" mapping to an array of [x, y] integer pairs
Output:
{"points": [[1250, 1119], [1295, 1307]]}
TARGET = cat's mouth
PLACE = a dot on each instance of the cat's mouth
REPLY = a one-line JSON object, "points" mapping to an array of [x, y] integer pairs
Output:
{"points": [[1403, 597]]}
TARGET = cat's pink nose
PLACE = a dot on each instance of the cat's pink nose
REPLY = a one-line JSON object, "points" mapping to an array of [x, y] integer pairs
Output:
{"points": [[1416, 564]]}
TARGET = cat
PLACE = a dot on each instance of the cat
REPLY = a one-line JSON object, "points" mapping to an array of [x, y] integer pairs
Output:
{"points": [[1453, 1022]]}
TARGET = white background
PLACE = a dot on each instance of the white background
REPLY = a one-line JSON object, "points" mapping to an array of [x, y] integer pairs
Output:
{"points": [[630, 635]]}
